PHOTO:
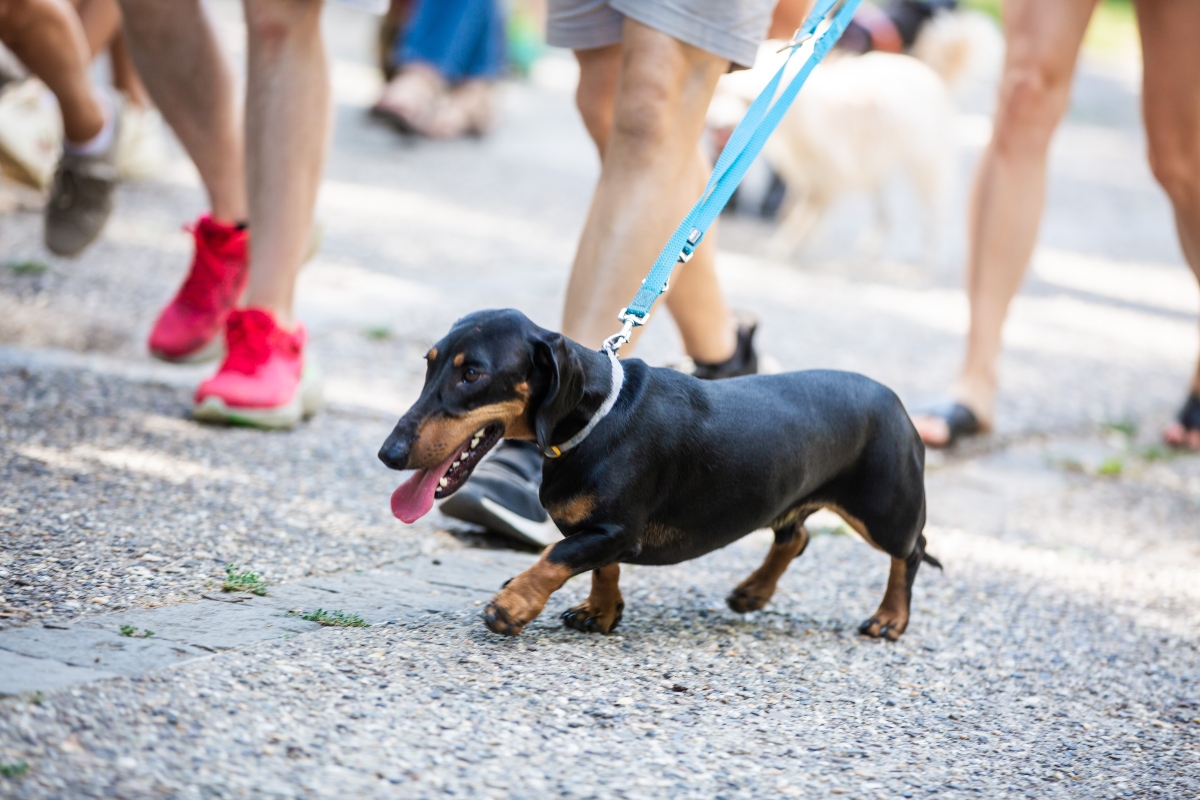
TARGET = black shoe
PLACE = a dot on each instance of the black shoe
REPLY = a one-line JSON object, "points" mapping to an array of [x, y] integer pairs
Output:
{"points": [[744, 360], [502, 495]]}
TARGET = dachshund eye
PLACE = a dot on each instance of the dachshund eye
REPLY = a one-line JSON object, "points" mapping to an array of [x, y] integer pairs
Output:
{"points": [[470, 375]]}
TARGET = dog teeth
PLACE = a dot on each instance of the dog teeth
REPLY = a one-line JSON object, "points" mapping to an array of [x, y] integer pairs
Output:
{"points": [[455, 464], [443, 483]]}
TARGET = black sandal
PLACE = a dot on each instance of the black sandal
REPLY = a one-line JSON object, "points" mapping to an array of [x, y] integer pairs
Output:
{"points": [[1189, 415], [960, 421]]}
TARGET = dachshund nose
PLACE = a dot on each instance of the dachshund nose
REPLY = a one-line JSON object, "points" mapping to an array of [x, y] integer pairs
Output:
{"points": [[394, 452]]}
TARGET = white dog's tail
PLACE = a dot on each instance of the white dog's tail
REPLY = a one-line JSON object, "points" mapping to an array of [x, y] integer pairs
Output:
{"points": [[962, 47]]}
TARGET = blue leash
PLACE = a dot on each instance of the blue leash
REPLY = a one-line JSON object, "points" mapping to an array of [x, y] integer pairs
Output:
{"points": [[743, 147]]}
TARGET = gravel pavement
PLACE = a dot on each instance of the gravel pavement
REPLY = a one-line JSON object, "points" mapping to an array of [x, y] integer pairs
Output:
{"points": [[1055, 657]]}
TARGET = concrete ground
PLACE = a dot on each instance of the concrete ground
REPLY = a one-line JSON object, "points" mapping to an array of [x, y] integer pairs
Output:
{"points": [[1055, 657]]}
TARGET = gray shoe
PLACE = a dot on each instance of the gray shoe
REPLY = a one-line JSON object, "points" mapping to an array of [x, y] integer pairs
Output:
{"points": [[81, 197]]}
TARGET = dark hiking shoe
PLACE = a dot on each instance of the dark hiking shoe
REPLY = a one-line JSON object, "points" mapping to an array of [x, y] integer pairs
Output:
{"points": [[744, 360], [502, 495], [81, 197]]}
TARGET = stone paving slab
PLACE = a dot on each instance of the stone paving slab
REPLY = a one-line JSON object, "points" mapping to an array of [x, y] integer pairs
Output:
{"points": [[20, 674], [52, 657]]}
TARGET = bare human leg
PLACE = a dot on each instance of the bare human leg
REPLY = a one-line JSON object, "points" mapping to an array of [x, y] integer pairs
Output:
{"points": [[175, 49], [47, 37], [287, 133], [1171, 106], [102, 25], [643, 102], [1006, 204]]}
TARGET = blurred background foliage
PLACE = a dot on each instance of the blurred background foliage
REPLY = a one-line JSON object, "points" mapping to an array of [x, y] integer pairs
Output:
{"points": [[1112, 33]]}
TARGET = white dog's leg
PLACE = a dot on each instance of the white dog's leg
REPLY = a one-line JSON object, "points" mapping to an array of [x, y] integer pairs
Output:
{"points": [[932, 181], [796, 227], [871, 241]]}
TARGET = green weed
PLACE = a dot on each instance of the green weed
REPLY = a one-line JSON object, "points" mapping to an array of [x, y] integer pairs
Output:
{"points": [[1125, 426], [1071, 465], [28, 267], [129, 630], [378, 333], [244, 581], [14, 770], [1110, 467], [339, 619]]}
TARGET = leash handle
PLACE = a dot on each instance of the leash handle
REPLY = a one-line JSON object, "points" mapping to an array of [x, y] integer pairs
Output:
{"points": [[743, 147]]}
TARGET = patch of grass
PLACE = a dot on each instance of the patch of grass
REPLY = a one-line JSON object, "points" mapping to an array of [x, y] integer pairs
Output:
{"points": [[129, 630], [1156, 453], [28, 267], [378, 333], [1070, 465], [35, 697], [244, 581], [1110, 467], [990, 7], [337, 619], [1125, 426], [14, 770]]}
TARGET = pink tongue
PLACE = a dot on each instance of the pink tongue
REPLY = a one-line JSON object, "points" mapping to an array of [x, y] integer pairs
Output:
{"points": [[413, 499]]}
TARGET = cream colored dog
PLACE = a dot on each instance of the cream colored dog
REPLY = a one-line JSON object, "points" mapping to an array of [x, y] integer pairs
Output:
{"points": [[860, 120]]}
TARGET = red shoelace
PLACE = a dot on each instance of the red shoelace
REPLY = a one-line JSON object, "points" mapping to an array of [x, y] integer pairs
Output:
{"points": [[249, 335]]}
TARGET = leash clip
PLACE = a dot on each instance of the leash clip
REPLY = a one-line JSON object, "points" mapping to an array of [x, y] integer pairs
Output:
{"points": [[689, 247], [629, 321], [797, 40]]}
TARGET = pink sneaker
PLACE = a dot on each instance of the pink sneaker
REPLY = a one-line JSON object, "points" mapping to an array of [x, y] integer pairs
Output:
{"points": [[263, 381], [189, 328]]}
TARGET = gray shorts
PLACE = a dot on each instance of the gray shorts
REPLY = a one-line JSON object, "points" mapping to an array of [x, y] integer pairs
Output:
{"points": [[731, 29]]}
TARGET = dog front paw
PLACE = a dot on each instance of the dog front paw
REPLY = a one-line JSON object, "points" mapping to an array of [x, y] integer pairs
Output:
{"points": [[744, 599], [498, 620], [589, 619], [884, 626]]}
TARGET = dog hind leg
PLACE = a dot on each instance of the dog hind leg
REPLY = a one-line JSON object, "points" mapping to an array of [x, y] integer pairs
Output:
{"points": [[754, 592], [891, 619], [603, 608]]}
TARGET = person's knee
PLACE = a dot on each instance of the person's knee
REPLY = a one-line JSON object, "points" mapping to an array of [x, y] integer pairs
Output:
{"points": [[643, 114], [1032, 100], [272, 22]]}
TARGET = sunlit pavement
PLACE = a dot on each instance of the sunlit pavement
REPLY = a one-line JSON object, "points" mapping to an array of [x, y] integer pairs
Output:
{"points": [[1055, 658]]}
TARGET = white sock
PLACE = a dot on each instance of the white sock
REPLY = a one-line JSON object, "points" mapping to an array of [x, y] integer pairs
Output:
{"points": [[102, 140]]}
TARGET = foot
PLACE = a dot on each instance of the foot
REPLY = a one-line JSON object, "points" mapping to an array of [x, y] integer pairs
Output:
{"points": [[411, 99], [1184, 433], [945, 424], [744, 360], [593, 617], [502, 495], [744, 598], [885, 625], [190, 328], [466, 110], [263, 381], [81, 197]]}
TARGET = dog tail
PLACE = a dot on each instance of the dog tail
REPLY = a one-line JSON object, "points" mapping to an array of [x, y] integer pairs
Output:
{"points": [[961, 47], [933, 562]]}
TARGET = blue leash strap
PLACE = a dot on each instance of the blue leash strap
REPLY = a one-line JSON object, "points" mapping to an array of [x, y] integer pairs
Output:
{"points": [[739, 153]]}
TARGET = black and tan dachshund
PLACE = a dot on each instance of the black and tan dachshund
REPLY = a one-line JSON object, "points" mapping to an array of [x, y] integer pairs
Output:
{"points": [[651, 466]]}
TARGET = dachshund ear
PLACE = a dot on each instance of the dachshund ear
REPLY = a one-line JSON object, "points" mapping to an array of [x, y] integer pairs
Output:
{"points": [[564, 386]]}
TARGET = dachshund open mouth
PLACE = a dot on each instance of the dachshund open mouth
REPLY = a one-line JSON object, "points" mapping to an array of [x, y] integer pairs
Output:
{"points": [[414, 498]]}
